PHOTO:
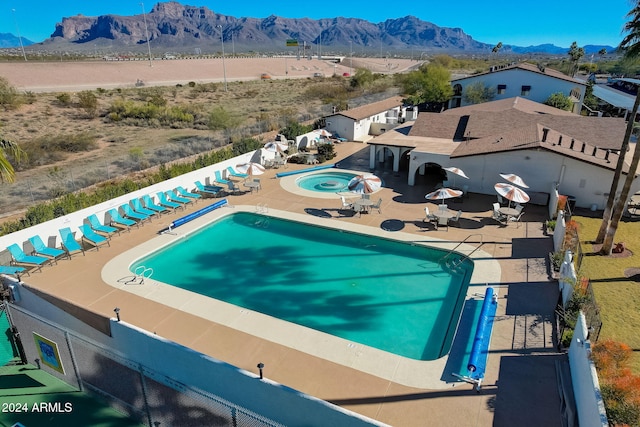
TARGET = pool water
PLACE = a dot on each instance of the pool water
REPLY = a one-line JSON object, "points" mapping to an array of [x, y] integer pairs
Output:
{"points": [[382, 293], [326, 182]]}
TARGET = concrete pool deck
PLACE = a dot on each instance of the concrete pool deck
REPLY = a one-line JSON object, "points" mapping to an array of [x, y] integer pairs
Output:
{"points": [[522, 349]]}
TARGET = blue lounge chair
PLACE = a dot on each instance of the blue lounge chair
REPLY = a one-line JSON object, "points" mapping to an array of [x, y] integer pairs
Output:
{"points": [[171, 195], [235, 174], [39, 248], [150, 204], [69, 242], [98, 227], [12, 271], [22, 259], [131, 214], [119, 221], [212, 190], [137, 207], [219, 179], [162, 199], [184, 193], [90, 236]]}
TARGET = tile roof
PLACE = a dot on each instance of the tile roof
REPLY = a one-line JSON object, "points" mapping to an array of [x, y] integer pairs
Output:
{"points": [[365, 111], [526, 66]]}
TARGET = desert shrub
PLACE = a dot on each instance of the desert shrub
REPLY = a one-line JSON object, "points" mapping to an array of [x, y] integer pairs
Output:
{"points": [[245, 145], [52, 148], [29, 97], [220, 118], [9, 97], [64, 99], [294, 129], [326, 152], [88, 101], [620, 388]]}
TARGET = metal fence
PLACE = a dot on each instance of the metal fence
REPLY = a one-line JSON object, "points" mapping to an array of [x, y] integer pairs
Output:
{"points": [[147, 396]]}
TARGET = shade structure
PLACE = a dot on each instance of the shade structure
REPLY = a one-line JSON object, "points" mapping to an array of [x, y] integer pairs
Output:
{"points": [[457, 172], [514, 179], [443, 193], [511, 193], [364, 184], [276, 146], [250, 168]]}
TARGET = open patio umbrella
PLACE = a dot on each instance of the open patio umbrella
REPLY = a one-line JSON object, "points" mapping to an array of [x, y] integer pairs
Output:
{"points": [[443, 193], [456, 171], [511, 192], [323, 132], [514, 179], [250, 168], [276, 146], [364, 184]]}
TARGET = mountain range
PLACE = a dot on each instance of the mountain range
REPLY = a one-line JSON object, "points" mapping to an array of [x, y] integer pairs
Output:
{"points": [[172, 26], [9, 40]]}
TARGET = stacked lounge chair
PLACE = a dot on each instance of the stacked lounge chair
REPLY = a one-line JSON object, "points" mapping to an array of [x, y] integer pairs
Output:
{"points": [[219, 179], [128, 212], [184, 193], [212, 190], [162, 199], [137, 207], [174, 197]]}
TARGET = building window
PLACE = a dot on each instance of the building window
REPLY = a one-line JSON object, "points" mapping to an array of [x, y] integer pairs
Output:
{"points": [[502, 89], [525, 90]]}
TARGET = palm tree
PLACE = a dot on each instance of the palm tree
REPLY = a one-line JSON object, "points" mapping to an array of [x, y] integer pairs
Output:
{"points": [[630, 45], [7, 173]]}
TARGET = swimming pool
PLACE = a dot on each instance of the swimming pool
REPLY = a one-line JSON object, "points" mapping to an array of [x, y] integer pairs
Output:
{"points": [[378, 292], [325, 182]]}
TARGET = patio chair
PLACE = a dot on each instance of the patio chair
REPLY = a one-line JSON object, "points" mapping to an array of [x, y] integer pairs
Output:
{"points": [[128, 212], [443, 222], [233, 173], [496, 207], [174, 197], [233, 188], [501, 218], [69, 242], [212, 190], [184, 193], [346, 204], [162, 199], [377, 205], [278, 161], [23, 260], [501, 200], [516, 219], [105, 230], [93, 238], [12, 271], [428, 216], [115, 219], [219, 179], [456, 219], [40, 249], [150, 204], [137, 207]]}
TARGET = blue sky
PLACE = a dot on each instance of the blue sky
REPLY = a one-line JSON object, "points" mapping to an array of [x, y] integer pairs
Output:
{"points": [[559, 22]]}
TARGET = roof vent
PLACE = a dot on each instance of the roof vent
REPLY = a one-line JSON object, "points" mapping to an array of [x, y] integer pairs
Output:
{"points": [[545, 132], [572, 142]]}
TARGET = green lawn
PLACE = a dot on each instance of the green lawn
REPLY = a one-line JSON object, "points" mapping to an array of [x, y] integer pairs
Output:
{"points": [[617, 296]]}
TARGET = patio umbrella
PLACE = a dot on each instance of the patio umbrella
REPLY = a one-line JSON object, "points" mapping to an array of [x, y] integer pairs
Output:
{"points": [[323, 132], [276, 146], [514, 179], [511, 192], [364, 184], [456, 171], [443, 193], [250, 168]]}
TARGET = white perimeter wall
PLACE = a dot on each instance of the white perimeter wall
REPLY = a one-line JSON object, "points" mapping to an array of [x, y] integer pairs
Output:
{"points": [[586, 388], [267, 398]]}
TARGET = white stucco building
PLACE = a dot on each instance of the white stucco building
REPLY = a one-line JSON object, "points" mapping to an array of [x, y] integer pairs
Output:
{"points": [[549, 148], [524, 80], [361, 123]]}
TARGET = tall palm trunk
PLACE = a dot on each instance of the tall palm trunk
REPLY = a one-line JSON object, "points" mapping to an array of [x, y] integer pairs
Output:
{"points": [[618, 209], [606, 217]]}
